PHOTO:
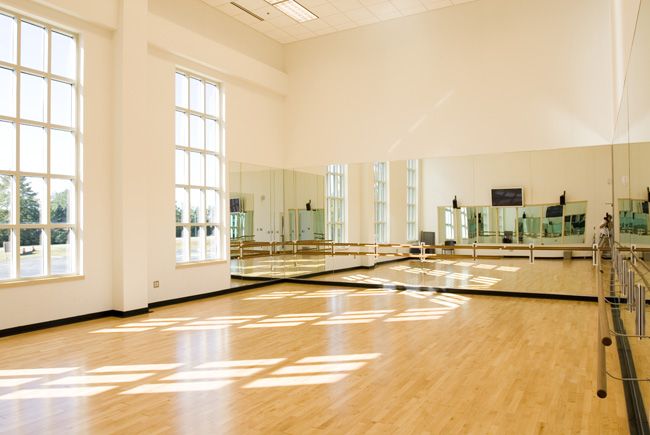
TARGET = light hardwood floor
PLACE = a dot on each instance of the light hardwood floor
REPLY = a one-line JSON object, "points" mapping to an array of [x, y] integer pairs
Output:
{"points": [[300, 359], [574, 277]]}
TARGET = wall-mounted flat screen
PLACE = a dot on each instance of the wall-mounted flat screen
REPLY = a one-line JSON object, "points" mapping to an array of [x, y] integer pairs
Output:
{"points": [[554, 211], [508, 197], [235, 205]]}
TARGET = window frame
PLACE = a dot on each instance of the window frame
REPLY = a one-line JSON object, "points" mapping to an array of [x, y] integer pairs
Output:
{"points": [[14, 226], [381, 200], [336, 182], [412, 192], [202, 223]]}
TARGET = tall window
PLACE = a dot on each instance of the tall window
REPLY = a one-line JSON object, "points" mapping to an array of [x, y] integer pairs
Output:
{"points": [[381, 202], [199, 169], [449, 224], [411, 200], [335, 192], [39, 157]]}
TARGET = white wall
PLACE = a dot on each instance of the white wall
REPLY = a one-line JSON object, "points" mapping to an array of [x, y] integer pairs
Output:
{"points": [[41, 302], [250, 67], [486, 76], [585, 174]]}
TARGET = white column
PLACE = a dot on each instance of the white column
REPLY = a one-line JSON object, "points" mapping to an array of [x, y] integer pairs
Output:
{"points": [[130, 158]]}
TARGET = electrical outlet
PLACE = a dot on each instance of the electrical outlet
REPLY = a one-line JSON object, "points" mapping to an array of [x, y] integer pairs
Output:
{"points": [[156, 284]]}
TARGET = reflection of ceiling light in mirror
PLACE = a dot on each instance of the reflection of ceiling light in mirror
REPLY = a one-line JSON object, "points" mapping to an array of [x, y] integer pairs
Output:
{"points": [[295, 10]]}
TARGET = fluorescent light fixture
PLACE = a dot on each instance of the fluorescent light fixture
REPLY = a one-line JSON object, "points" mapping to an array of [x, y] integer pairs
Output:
{"points": [[294, 10]]}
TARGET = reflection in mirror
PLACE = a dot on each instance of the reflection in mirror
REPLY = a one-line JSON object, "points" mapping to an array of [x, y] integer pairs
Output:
{"points": [[529, 224]]}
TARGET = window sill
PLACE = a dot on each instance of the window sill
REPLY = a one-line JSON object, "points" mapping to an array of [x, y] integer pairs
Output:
{"points": [[200, 263], [40, 280]]}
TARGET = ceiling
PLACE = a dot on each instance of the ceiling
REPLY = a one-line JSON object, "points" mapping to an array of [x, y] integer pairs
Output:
{"points": [[333, 15]]}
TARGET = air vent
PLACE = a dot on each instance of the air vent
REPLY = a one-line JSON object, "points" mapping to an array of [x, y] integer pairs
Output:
{"points": [[251, 13]]}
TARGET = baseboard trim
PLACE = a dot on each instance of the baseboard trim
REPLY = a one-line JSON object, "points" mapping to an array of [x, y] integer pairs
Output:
{"points": [[214, 293], [52, 323]]}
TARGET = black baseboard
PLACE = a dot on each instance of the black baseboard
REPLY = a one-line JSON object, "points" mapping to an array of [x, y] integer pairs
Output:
{"points": [[52, 323], [130, 313], [214, 293]]}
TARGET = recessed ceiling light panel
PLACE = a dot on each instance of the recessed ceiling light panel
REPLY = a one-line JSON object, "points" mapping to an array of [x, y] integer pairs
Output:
{"points": [[294, 10]]}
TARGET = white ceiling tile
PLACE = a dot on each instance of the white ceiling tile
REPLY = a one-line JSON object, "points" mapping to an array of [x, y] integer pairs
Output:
{"points": [[359, 14], [436, 4], [325, 31], [282, 20], [251, 4], [334, 15], [346, 5], [406, 4], [371, 2], [345, 26], [314, 25], [337, 20], [247, 19], [268, 12], [385, 11], [230, 9], [324, 10], [310, 3]]}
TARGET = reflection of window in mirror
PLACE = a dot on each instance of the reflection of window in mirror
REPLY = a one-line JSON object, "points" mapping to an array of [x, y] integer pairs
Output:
{"points": [[335, 193], [380, 170], [412, 200]]}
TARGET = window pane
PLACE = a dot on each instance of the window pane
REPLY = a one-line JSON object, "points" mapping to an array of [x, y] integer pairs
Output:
{"points": [[212, 244], [33, 95], [33, 153], [196, 243], [181, 90], [181, 167], [64, 55], [197, 175], [61, 201], [62, 104], [196, 95], [197, 133], [32, 192], [6, 194], [211, 135], [181, 129], [182, 215], [6, 257], [8, 38], [62, 251], [211, 171], [211, 207], [7, 92], [63, 155], [33, 46], [7, 146], [211, 100], [31, 253], [182, 236], [197, 213]]}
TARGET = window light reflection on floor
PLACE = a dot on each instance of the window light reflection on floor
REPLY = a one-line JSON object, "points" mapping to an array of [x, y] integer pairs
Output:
{"points": [[135, 368], [37, 372], [241, 363], [51, 393], [319, 368], [108, 330], [293, 381], [99, 379], [213, 374], [15, 382], [178, 387], [339, 358]]}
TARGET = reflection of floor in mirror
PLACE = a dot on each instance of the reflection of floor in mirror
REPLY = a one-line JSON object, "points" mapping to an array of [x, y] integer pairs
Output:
{"points": [[278, 266], [576, 277], [313, 359]]}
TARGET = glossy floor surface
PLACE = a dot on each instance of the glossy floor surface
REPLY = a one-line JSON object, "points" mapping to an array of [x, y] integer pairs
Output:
{"points": [[572, 277], [301, 359]]}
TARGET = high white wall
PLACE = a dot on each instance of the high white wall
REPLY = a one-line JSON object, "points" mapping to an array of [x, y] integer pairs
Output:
{"points": [[486, 76]]}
